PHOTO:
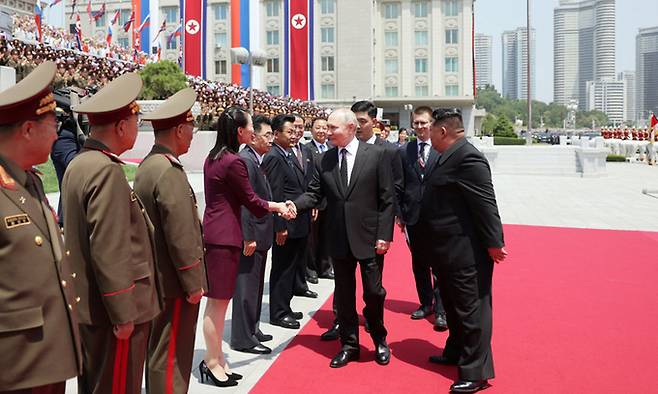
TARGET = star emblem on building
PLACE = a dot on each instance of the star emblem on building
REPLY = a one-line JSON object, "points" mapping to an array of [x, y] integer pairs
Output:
{"points": [[298, 21]]}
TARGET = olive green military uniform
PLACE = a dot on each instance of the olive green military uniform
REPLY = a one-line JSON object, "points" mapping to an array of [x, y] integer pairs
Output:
{"points": [[110, 239], [170, 202], [39, 340]]}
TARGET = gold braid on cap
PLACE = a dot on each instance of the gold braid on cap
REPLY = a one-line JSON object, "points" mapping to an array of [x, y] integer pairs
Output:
{"points": [[134, 107], [190, 117], [47, 104]]}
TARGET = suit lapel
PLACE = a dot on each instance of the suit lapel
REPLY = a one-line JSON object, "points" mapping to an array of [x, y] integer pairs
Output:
{"points": [[412, 157], [452, 150], [359, 162], [431, 160], [27, 204]]}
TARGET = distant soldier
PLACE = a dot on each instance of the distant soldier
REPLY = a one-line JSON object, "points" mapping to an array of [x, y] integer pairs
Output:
{"points": [[39, 340], [170, 202], [109, 235]]}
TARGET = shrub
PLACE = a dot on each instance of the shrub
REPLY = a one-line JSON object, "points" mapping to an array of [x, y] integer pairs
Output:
{"points": [[508, 141], [615, 158]]}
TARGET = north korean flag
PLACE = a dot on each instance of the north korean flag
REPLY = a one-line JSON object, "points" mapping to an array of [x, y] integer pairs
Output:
{"points": [[194, 27], [298, 73]]}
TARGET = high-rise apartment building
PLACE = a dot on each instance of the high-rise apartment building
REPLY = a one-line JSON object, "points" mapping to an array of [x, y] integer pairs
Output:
{"points": [[607, 95], [647, 73], [515, 63], [630, 109], [584, 47], [483, 60]]}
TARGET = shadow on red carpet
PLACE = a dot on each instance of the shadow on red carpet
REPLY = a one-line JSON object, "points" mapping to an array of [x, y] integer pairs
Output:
{"points": [[575, 311]]}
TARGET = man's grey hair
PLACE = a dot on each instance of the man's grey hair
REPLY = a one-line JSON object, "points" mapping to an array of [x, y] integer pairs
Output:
{"points": [[346, 115]]}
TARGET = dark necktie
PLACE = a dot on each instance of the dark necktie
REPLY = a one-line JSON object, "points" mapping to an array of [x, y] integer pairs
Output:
{"points": [[421, 155], [298, 153], [343, 167]]}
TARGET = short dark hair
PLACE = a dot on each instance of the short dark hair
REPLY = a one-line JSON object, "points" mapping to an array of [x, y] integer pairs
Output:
{"points": [[227, 131], [365, 106], [318, 118], [259, 121], [423, 109], [280, 120], [450, 116]]}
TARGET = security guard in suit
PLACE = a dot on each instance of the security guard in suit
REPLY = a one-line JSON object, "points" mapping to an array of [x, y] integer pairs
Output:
{"points": [[161, 184], [39, 339], [110, 238]]}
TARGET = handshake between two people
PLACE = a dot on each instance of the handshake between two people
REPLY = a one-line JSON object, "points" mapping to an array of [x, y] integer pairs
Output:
{"points": [[286, 210]]}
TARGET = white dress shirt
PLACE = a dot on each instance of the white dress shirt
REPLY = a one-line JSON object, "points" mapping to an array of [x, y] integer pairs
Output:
{"points": [[351, 148], [427, 149], [372, 139], [321, 147]]}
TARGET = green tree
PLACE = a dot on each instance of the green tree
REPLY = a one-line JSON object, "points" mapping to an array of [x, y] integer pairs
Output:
{"points": [[161, 80], [488, 124], [503, 127], [584, 119]]}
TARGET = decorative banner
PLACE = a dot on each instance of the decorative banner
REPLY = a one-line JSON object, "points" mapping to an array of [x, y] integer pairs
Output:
{"points": [[298, 17], [143, 33], [137, 20], [194, 43], [244, 14]]}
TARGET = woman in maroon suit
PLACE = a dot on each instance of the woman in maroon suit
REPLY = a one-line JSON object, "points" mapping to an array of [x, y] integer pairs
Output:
{"points": [[227, 188]]}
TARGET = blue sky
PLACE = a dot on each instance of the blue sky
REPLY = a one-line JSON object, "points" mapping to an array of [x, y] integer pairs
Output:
{"points": [[492, 17]]}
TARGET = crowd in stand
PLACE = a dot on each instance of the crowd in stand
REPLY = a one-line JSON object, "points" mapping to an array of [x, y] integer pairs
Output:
{"points": [[97, 64]]}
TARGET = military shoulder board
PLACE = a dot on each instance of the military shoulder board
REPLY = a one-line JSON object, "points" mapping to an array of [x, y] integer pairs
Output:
{"points": [[114, 157]]}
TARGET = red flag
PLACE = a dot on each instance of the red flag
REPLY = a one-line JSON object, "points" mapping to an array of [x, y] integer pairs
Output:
{"points": [[654, 121], [297, 17], [129, 22], [99, 14], [193, 19], [115, 18]]}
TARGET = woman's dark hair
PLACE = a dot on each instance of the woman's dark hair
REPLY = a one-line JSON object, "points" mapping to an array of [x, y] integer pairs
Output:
{"points": [[227, 131]]}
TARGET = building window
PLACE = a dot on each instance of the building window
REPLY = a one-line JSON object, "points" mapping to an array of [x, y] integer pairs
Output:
{"points": [[272, 8], [391, 10], [422, 38], [421, 9], [274, 90], [422, 91], [123, 42], [220, 67], [391, 38], [391, 66], [170, 13], [273, 65], [452, 90], [452, 36], [272, 37], [328, 90], [100, 22], [327, 63], [327, 6], [451, 8], [452, 64], [391, 91], [221, 11], [220, 40], [124, 16], [171, 44], [421, 65], [327, 34]]}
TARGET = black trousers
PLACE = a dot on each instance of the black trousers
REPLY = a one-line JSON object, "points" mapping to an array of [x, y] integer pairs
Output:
{"points": [[319, 261], [286, 262], [466, 296], [345, 300], [248, 300], [428, 293]]}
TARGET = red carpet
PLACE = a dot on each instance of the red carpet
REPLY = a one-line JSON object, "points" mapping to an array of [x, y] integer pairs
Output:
{"points": [[575, 311]]}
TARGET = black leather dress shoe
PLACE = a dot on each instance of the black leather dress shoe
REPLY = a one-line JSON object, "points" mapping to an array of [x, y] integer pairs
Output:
{"points": [[343, 357], [440, 324], [308, 294], [263, 337], [468, 386], [297, 315], [331, 334], [382, 353], [421, 312], [286, 322], [258, 349], [442, 360], [312, 280], [327, 275]]}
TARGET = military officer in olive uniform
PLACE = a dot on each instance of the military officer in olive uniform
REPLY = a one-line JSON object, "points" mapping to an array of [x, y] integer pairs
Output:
{"points": [[39, 340], [109, 235], [169, 200]]}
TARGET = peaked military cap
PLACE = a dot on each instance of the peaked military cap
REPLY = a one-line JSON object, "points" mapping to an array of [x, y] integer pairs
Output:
{"points": [[114, 102], [173, 112], [29, 98]]}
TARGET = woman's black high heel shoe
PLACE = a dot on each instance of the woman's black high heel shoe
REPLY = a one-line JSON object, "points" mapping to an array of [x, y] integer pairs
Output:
{"points": [[234, 376], [206, 374]]}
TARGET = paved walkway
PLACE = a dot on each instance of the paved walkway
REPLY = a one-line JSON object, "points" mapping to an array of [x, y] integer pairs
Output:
{"points": [[612, 202]]}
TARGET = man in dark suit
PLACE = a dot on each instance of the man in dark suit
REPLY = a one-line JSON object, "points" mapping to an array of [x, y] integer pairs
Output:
{"points": [[246, 336], [319, 262], [460, 232], [304, 166], [419, 158], [356, 181], [289, 251]]}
